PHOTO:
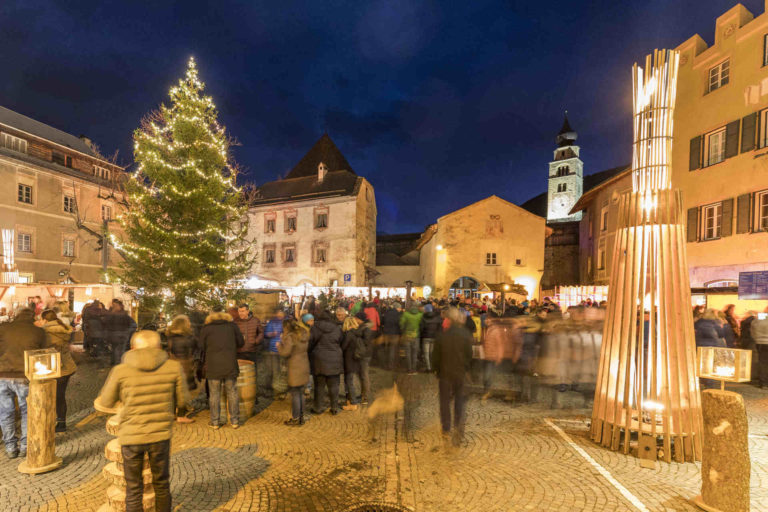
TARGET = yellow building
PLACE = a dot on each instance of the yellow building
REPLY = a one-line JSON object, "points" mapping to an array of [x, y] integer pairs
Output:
{"points": [[58, 198], [719, 161], [720, 153], [489, 242]]}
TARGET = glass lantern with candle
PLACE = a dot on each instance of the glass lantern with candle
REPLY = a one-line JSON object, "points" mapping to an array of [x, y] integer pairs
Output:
{"points": [[43, 364], [725, 364]]}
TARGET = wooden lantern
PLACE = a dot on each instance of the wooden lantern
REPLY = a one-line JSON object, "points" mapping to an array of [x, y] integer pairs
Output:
{"points": [[646, 384], [43, 364], [725, 364], [41, 367]]}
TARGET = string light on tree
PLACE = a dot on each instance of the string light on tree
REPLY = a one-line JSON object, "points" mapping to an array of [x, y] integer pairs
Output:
{"points": [[184, 231]]}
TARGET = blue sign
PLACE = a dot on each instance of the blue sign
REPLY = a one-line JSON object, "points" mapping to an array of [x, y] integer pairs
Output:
{"points": [[753, 285], [347, 278]]}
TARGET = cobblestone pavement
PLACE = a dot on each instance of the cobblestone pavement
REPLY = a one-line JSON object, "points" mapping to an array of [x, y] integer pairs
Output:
{"points": [[512, 459]]}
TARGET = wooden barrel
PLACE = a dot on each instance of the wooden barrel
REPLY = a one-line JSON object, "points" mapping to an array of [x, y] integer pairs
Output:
{"points": [[246, 392]]}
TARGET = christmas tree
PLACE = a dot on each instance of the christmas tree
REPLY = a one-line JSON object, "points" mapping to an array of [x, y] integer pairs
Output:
{"points": [[184, 231]]}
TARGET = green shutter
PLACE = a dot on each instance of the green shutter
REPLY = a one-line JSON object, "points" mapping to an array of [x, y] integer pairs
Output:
{"points": [[693, 224], [732, 138], [695, 157], [743, 210], [726, 222], [748, 131]]}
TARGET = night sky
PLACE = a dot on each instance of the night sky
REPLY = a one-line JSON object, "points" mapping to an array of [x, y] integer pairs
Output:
{"points": [[438, 104]]}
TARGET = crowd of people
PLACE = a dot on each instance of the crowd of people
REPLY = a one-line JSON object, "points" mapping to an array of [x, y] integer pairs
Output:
{"points": [[521, 351]]}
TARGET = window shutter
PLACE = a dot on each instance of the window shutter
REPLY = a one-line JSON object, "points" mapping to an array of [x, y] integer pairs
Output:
{"points": [[748, 130], [726, 222], [693, 224], [743, 222], [695, 157], [732, 138]]}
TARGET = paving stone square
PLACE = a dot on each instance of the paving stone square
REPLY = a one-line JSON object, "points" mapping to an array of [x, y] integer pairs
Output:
{"points": [[512, 458]]}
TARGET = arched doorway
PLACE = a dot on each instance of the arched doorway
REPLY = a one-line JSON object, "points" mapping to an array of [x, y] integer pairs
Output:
{"points": [[465, 287]]}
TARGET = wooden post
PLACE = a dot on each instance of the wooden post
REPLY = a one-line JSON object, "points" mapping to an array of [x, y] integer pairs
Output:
{"points": [[41, 423]]}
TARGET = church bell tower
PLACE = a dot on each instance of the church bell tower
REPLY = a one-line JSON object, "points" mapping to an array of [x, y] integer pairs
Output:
{"points": [[566, 177]]}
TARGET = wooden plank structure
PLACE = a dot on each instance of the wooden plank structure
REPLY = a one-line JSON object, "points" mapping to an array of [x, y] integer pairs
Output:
{"points": [[647, 387]]}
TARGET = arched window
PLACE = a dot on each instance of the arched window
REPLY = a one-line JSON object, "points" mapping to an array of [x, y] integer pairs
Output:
{"points": [[562, 187], [563, 171]]}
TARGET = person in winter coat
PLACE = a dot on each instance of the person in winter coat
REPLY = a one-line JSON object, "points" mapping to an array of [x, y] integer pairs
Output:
{"points": [[93, 327], [119, 328], [293, 346], [730, 317], [253, 335], [358, 349], [272, 334], [431, 325], [15, 337], [451, 360], [57, 336], [372, 314], [184, 348], [410, 327], [390, 328], [219, 340], [759, 331], [327, 360], [148, 384], [708, 331]]}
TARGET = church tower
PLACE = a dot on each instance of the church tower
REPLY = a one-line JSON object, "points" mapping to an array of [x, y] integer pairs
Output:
{"points": [[566, 177]]}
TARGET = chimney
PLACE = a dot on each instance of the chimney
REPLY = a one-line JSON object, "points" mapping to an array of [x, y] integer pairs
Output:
{"points": [[322, 170]]}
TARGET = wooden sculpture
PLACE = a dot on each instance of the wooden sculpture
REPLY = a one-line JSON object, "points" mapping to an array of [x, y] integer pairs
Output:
{"points": [[646, 384]]}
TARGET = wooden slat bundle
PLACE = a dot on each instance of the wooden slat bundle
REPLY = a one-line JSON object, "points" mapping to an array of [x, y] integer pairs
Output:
{"points": [[646, 380]]}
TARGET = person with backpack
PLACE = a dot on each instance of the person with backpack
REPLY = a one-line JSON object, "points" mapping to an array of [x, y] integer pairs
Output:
{"points": [[358, 350]]}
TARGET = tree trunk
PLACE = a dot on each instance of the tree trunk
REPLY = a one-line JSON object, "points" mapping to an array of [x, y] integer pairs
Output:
{"points": [[41, 421]]}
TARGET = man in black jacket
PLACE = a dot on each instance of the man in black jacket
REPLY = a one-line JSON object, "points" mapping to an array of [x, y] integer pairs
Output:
{"points": [[431, 325], [219, 340], [16, 337], [451, 359], [390, 328]]}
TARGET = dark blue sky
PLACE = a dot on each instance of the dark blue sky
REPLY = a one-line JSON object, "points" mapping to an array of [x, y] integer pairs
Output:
{"points": [[438, 104]]}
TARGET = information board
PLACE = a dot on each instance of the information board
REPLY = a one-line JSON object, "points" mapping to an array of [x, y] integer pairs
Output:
{"points": [[753, 285]]}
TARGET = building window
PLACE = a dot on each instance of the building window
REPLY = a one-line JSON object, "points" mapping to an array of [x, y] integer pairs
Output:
{"points": [[321, 220], [604, 219], [714, 149], [25, 193], [490, 258], [13, 143], [106, 212], [765, 50], [61, 159], [269, 224], [761, 212], [601, 258], [69, 204], [68, 248], [101, 172], [711, 218], [518, 262], [320, 255], [289, 254], [718, 75], [763, 136], [563, 171], [24, 242], [562, 187], [269, 255], [290, 222]]}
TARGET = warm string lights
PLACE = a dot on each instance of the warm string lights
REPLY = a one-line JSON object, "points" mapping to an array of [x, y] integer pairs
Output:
{"points": [[186, 223]]}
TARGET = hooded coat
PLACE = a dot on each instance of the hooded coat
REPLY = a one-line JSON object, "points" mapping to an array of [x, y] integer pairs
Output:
{"points": [[57, 336], [325, 348], [184, 348], [410, 323], [709, 333], [293, 347], [390, 322], [431, 324], [16, 337], [359, 336], [219, 340], [150, 387]]}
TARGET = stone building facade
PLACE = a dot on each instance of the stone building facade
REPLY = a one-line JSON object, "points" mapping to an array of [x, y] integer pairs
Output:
{"points": [[316, 226], [59, 197]]}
